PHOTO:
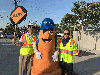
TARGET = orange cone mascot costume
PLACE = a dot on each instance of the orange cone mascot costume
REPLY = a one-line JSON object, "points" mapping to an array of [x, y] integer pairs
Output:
{"points": [[49, 63]]}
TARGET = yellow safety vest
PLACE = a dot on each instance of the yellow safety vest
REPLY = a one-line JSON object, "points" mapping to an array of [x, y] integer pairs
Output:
{"points": [[67, 52], [27, 48]]}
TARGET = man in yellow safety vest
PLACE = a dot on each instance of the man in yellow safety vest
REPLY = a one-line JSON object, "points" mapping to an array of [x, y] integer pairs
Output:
{"points": [[28, 50], [67, 48]]}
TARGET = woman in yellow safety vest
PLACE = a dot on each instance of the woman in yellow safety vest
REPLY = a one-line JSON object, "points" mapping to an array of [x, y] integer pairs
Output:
{"points": [[67, 48]]}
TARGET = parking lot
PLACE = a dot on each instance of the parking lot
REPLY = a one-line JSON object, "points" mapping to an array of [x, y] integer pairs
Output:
{"points": [[9, 54], [87, 63]]}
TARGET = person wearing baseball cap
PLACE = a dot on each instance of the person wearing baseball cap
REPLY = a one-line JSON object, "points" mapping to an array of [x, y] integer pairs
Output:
{"points": [[27, 50]]}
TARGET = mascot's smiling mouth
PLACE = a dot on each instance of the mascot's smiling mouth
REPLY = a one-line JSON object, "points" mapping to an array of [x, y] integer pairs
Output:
{"points": [[46, 40]]}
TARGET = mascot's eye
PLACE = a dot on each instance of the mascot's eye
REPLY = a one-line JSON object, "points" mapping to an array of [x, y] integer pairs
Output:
{"points": [[44, 31], [50, 31]]}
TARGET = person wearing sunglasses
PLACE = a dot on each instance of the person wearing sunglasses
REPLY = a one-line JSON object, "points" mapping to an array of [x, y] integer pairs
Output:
{"points": [[67, 48], [27, 50]]}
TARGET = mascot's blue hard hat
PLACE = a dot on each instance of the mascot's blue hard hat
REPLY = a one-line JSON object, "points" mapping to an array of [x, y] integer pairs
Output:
{"points": [[47, 23]]}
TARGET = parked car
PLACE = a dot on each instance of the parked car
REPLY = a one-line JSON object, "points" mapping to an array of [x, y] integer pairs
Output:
{"points": [[1, 35], [8, 35]]}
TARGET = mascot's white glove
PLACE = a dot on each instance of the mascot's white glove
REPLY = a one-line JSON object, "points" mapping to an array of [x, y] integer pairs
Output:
{"points": [[38, 55], [55, 56]]}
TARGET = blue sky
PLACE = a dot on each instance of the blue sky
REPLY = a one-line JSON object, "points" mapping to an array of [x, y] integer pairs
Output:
{"points": [[38, 10]]}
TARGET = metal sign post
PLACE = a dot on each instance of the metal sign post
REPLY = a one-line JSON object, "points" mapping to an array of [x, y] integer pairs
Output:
{"points": [[15, 25], [17, 16], [15, 35]]}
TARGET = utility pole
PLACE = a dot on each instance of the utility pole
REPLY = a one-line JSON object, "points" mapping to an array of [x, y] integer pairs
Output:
{"points": [[15, 25]]}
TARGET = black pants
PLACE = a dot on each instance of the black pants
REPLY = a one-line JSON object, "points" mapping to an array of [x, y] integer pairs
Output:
{"points": [[66, 68]]}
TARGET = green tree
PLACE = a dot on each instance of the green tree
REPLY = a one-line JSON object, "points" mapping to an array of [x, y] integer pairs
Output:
{"points": [[23, 29], [68, 21], [85, 14], [37, 28], [9, 28], [57, 29], [1, 29], [94, 14]]}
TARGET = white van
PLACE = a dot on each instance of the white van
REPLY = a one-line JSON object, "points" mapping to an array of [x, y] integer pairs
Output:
{"points": [[1, 34], [59, 35]]}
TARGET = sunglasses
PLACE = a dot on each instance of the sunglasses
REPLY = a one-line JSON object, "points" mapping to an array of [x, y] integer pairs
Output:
{"points": [[31, 26], [66, 33]]}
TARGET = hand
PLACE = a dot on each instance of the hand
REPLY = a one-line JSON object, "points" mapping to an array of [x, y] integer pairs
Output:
{"points": [[55, 57], [38, 55], [66, 74], [20, 44], [13, 39]]}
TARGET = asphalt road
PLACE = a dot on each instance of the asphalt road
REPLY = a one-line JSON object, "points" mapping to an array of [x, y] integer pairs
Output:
{"points": [[9, 56], [87, 63]]}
